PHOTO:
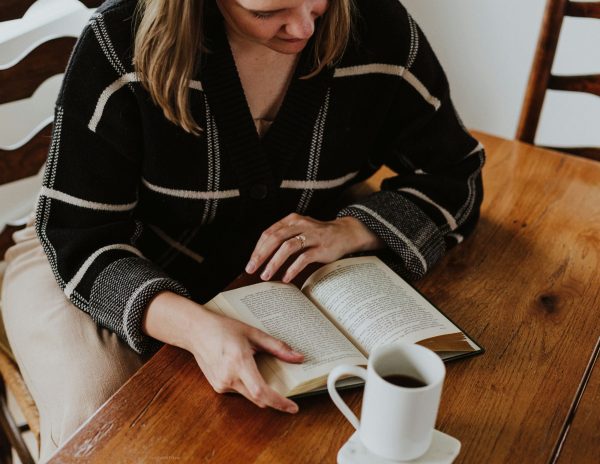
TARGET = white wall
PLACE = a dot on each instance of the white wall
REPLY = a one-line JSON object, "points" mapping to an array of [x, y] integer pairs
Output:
{"points": [[487, 47]]}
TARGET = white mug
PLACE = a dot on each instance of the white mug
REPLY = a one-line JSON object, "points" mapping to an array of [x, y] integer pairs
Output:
{"points": [[396, 422]]}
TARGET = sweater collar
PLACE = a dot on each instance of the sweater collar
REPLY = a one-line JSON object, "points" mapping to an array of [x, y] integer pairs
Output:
{"points": [[259, 161]]}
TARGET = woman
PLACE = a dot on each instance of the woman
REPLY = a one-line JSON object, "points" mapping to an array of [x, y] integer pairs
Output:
{"points": [[198, 139]]}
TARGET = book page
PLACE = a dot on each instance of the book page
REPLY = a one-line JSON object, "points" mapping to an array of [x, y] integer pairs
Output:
{"points": [[373, 305], [284, 312]]}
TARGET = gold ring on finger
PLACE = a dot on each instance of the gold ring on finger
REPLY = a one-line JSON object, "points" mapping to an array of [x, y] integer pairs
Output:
{"points": [[302, 239]]}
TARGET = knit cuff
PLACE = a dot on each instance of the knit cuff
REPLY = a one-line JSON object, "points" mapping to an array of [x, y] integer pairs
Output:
{"points": [[121, 294], [412, 236]]}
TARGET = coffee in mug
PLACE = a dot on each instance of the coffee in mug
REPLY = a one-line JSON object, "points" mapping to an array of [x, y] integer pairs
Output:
{"points": [[406, 381], [403, 386]]}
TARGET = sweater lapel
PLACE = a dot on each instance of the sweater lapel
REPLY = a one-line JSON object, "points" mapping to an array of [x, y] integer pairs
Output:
{"points": [[260, 164], [237, 134], [296, 118]]}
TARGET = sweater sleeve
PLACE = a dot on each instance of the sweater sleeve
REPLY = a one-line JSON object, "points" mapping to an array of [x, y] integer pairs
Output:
{"points": [[85, 216], [432, 203]]}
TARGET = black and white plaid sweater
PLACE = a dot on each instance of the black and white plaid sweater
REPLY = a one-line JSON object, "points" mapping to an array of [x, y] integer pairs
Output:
{"points": [[132, 205]]}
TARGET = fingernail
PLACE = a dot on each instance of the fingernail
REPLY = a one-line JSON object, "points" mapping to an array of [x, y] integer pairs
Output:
{"points": [[265, 275], [292, 409], [250, 267], [295, 353]]}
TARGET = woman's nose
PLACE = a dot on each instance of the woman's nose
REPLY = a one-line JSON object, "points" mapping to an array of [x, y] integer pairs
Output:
{"points": [[301, 26]]}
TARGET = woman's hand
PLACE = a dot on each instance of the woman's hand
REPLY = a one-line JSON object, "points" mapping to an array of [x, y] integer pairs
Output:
{"points": [[319, 241], [223, 348]]}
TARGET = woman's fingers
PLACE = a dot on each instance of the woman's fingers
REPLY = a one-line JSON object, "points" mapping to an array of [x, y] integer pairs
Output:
{"points": [[288, 248], [225, 353], [256, 390], [240, 388], [244, 377], [328, 240], [298, 265], [265, 246], [264, 342], [272, 238]]}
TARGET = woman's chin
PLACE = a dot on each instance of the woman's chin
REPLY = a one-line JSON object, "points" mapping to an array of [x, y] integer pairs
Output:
{"points": [[287, 47]]}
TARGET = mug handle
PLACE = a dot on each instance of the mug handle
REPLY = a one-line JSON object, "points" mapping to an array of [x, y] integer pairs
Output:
{"points": [[333, 377]]}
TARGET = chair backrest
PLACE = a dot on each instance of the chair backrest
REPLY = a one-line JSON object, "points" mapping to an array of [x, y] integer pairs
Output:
{"points": [[15, 9], [541, 78], [30, 78]]}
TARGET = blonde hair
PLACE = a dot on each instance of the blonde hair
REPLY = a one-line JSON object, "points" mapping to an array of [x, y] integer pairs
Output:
{"points": [[170, 35]]}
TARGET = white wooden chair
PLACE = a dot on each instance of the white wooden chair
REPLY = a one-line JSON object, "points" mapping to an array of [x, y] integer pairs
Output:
{"points": [[36, 39]]}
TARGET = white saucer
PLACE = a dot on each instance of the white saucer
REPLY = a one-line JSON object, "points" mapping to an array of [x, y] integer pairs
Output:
{"points": [[443, 450]]}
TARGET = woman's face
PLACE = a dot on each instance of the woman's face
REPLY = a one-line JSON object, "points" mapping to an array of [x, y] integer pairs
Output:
{"points": [[281, 25]]}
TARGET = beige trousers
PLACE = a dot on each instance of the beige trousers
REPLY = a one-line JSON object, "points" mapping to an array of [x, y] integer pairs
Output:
{"points": [[71, 365]]}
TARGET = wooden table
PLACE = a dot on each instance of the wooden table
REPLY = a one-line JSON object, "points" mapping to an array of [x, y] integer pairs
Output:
{"points": [[526, 286]]}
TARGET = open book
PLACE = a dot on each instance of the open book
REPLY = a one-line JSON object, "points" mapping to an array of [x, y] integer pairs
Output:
{"points": [[338, 314]]}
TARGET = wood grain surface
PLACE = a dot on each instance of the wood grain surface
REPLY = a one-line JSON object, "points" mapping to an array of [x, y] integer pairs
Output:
{"points": [[525, 286], [585, 428]]}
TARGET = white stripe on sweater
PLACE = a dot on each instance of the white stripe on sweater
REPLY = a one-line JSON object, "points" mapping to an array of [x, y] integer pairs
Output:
{"points": [[222, 194], [97, 24], [217, 167], [129, 306], [479, 147], [196, 85], [114, 87], [315, 154], [458, 237], [395, 231], [106, 94], [71, 200], [209, 159], [49, 178], [419, 87], [466, 209], [88, 262], [468, 205], [178, 246], [192, 194], [373, 68], [318, 184], [393, 70], [414, 42], [449, 218]]}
